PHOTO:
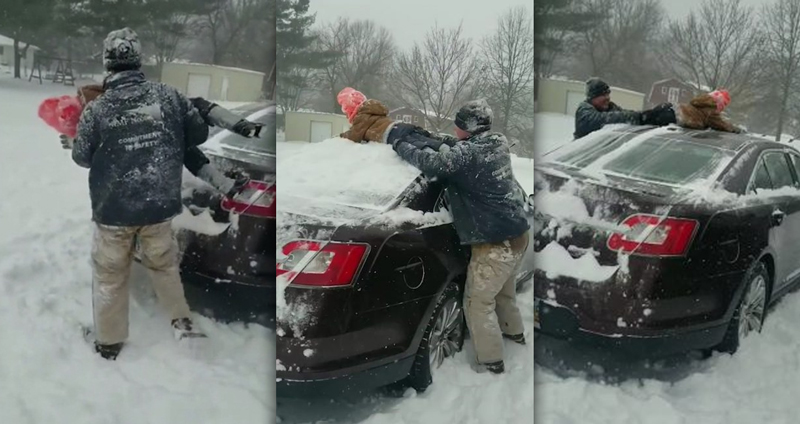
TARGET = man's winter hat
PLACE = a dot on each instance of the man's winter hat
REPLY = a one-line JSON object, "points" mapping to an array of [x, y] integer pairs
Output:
{"points": [[122, 51], [722, 98], [474, 117], [596, 87]]}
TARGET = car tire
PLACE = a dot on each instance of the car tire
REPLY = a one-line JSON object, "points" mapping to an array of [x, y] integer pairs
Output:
{"points": [[756, 283], [421, 375]]}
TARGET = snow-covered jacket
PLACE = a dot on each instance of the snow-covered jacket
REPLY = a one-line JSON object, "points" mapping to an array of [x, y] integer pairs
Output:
{"points": [[701, 113], [484, 197], [588, 119], [133, 139]]}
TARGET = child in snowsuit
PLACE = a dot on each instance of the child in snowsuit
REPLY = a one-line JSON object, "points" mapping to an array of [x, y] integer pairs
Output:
{"points": [[705, 111], [368, 118]]}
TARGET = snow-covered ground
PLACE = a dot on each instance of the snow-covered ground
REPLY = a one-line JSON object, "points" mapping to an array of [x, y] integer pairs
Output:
{"points": [[48, 372], [459, 395], [759, 384]]}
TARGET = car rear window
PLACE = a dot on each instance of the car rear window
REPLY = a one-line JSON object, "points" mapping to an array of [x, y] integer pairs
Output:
{"points": [[591, 148], [668, 161], [656, 159]]}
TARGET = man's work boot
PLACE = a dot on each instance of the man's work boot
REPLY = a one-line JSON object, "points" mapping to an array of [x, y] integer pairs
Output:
{"points": [[110, 351], [183, 328], [516, 338], [495, 367]]}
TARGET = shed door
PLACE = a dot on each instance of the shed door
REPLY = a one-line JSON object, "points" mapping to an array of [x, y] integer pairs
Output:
{"points": [[574, 98], [223, 95], [199, 85], [321, 131]]}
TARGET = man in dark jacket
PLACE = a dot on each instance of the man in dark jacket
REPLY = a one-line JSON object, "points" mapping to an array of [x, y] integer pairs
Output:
{"points": [[488, 214], [598, 110], [133, 139]]}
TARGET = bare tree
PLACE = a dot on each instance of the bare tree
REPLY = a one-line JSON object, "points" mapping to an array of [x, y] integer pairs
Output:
{"points": [[165, 37], [293, 94], [224, 23], [439, 75], [781, 22], [363, 56], [617, 47], [509, 56], [717, 47]]}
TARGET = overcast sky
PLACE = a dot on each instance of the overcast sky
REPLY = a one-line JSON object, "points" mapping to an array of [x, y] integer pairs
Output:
{"points": [[408, 20], [681, 8]]}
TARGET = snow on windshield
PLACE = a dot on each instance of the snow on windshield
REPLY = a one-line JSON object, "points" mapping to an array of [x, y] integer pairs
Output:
{"points": [[340, 172]]}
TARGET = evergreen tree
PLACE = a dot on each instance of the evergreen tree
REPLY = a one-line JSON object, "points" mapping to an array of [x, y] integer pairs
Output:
{"points": [[20, 20], [297, 53]]}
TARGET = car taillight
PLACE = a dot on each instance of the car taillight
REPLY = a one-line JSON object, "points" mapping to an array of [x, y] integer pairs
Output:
{"points": [[257, 198], [315, 264], [651, 235]]}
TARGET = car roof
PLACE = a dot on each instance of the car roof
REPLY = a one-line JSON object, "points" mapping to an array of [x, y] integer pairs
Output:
{"points": [[719, 139]]}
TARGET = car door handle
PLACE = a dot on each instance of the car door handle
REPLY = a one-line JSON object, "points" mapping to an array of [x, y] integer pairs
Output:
{"points": [[777, 217]]}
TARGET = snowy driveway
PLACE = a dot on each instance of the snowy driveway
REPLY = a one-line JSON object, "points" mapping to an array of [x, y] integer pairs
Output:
{"points": [[48, 373]]}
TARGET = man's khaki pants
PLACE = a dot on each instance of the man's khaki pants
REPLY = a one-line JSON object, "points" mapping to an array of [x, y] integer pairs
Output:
{"points": [[490, 296], [112, 253]]}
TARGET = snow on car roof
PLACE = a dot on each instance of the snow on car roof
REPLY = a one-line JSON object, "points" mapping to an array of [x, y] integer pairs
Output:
{"points": [[339, 171]]}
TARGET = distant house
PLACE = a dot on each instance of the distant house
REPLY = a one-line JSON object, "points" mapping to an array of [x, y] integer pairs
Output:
{"points": [[669, 90], [7, 52], [409, 115]]}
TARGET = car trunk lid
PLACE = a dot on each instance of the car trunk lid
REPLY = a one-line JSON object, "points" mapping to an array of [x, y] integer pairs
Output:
{"points": [[242, 253]]}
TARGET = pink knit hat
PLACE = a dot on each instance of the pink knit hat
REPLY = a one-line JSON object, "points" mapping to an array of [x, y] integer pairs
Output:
{"points": [[722, 98], [350, 100]]}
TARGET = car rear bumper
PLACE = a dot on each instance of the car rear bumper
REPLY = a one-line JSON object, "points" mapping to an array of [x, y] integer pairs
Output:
{"points": [[355, 380], [230, 301], [561, 323]]}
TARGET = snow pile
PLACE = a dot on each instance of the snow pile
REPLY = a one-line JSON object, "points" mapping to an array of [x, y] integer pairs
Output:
{"points": [[418, 218], [556, 261], [201, 223], [45, 296]]}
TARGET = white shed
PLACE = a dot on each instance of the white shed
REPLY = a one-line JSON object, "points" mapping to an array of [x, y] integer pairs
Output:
{"points": [[314, 126], [213, 82]]}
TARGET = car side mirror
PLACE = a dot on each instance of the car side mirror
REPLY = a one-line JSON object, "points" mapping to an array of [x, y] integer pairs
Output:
{"points": [[530, 200]]}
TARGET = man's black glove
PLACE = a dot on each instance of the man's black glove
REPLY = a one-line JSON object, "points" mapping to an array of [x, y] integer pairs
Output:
{"points": [[661, 115], [247, 129], [238, 186], [66, 142], [423, 142], [400, 132]]}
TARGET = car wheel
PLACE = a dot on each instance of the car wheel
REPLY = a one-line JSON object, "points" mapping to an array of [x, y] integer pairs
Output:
{"points": [[444, 337], [751, 310]]}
